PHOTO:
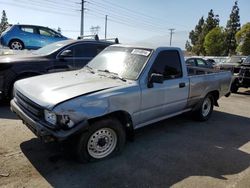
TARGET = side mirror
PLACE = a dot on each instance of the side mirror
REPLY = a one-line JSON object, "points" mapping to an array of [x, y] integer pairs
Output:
{"points": [[155, 78], [66, 53]]}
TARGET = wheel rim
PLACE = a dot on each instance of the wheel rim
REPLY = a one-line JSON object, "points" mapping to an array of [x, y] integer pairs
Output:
{"points": [[16, 45], [102, 143], [206, 107]]}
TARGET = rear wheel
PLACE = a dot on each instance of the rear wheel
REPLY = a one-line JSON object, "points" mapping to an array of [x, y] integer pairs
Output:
{"points": [[16, 45], [104, 139], [205, 110]]}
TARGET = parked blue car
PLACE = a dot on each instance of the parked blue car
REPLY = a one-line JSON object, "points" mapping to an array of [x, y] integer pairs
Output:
{"points": [[19, 37]]}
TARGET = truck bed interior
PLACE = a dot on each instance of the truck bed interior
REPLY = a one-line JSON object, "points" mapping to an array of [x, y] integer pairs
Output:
{"points": [[192, 71]]}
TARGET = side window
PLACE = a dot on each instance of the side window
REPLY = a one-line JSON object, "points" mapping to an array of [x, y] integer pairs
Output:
{"points": [[201, 62], [27, 29], [168, 64], [83, 50], [46, 32], [191, 62]]}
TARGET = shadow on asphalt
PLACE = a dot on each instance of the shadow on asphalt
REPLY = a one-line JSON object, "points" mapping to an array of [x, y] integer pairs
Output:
{"points": [[5, 112], [161, 155]]}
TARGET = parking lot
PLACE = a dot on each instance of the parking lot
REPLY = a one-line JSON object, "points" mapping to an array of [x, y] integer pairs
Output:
{"points": [[178, 152]]}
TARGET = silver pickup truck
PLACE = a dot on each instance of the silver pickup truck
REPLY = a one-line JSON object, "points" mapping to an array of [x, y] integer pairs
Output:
{"points": [[120, 90]]}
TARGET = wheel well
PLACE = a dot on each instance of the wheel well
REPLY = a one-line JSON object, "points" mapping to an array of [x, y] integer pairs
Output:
{"points": [[16, 40], [124, 118], [215, 95]]}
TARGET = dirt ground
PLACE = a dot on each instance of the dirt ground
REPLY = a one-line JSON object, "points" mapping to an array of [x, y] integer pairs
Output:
{"points": [[178, 152]]}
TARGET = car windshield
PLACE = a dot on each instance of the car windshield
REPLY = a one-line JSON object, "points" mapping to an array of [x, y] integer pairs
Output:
{"points": [[51, 47], [123, 61], [247, 60]]}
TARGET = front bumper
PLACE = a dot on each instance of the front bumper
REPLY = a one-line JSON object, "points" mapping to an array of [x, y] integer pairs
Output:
{"points": [[41, 131]]}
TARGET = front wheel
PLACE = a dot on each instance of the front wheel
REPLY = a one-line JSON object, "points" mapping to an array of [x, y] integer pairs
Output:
{"points": [[104, 139], [205, 110], [16, 45], [234, 87]]}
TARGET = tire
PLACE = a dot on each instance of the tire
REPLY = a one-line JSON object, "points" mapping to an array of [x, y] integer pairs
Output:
{"points": [[205, 110], [104, 139], [234, 87], [16, 45]]}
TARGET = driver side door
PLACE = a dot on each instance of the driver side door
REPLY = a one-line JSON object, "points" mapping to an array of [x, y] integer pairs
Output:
{"points": [[165, 98]]}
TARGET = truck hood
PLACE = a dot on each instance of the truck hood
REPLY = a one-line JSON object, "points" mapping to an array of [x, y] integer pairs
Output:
{"points": [[52, 89]]}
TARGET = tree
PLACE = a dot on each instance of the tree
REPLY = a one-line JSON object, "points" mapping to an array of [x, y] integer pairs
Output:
{"points": [[215, 42], [188, 46], [194, 36], [197, 36], [233, 26], [243, 39], [211, 22], [4, 22]]}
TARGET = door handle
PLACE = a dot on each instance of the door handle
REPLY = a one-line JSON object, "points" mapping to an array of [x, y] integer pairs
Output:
{"points": [[181, 85]]}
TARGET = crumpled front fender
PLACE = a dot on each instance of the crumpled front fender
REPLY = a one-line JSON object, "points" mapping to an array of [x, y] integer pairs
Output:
{"points": [[83, 108]]}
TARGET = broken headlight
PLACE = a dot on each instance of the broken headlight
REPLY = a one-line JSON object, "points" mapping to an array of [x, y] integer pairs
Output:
{"points": [[50, 117]]}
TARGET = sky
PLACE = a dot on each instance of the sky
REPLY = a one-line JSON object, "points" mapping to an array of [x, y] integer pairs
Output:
{"points": [[132, 21]]}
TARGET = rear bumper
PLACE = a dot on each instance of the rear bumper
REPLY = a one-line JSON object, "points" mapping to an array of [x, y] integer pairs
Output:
{"points": [[41, 131]]}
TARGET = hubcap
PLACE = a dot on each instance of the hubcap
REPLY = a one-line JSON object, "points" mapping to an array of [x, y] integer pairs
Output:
{"points": [[206, 107], [102, 143], [16, 45]]}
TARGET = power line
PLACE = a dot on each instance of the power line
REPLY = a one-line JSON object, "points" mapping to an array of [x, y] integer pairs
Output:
{"points": [[134, 26], [124, 21], [134, 12], [49, 6], [33, 7], [127, 16]]}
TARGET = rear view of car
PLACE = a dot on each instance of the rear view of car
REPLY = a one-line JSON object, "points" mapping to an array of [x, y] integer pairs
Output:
{"points": [[19, 37]]}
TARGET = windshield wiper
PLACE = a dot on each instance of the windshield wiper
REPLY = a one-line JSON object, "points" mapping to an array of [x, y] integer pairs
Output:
{"points": [[114, 75], [90, 69]]}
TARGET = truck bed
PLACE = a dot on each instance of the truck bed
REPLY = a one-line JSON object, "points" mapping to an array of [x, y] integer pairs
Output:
{"points": [[203, 80]]}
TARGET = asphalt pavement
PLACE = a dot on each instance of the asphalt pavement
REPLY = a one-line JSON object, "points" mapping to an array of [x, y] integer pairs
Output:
{"points": [[178, 152]]}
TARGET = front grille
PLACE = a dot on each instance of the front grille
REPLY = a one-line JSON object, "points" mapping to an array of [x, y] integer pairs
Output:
{"points": [[29, 105], [245, 72]]}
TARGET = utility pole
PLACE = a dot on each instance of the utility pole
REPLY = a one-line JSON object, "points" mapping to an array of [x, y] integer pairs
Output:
{"points": [[106, 25], [171, 35], [95, 30], [82, 18]]}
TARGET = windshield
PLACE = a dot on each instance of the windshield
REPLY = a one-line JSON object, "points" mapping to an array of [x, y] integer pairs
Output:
{"points": [[123, 61], [247, 60], [51, 47]]}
